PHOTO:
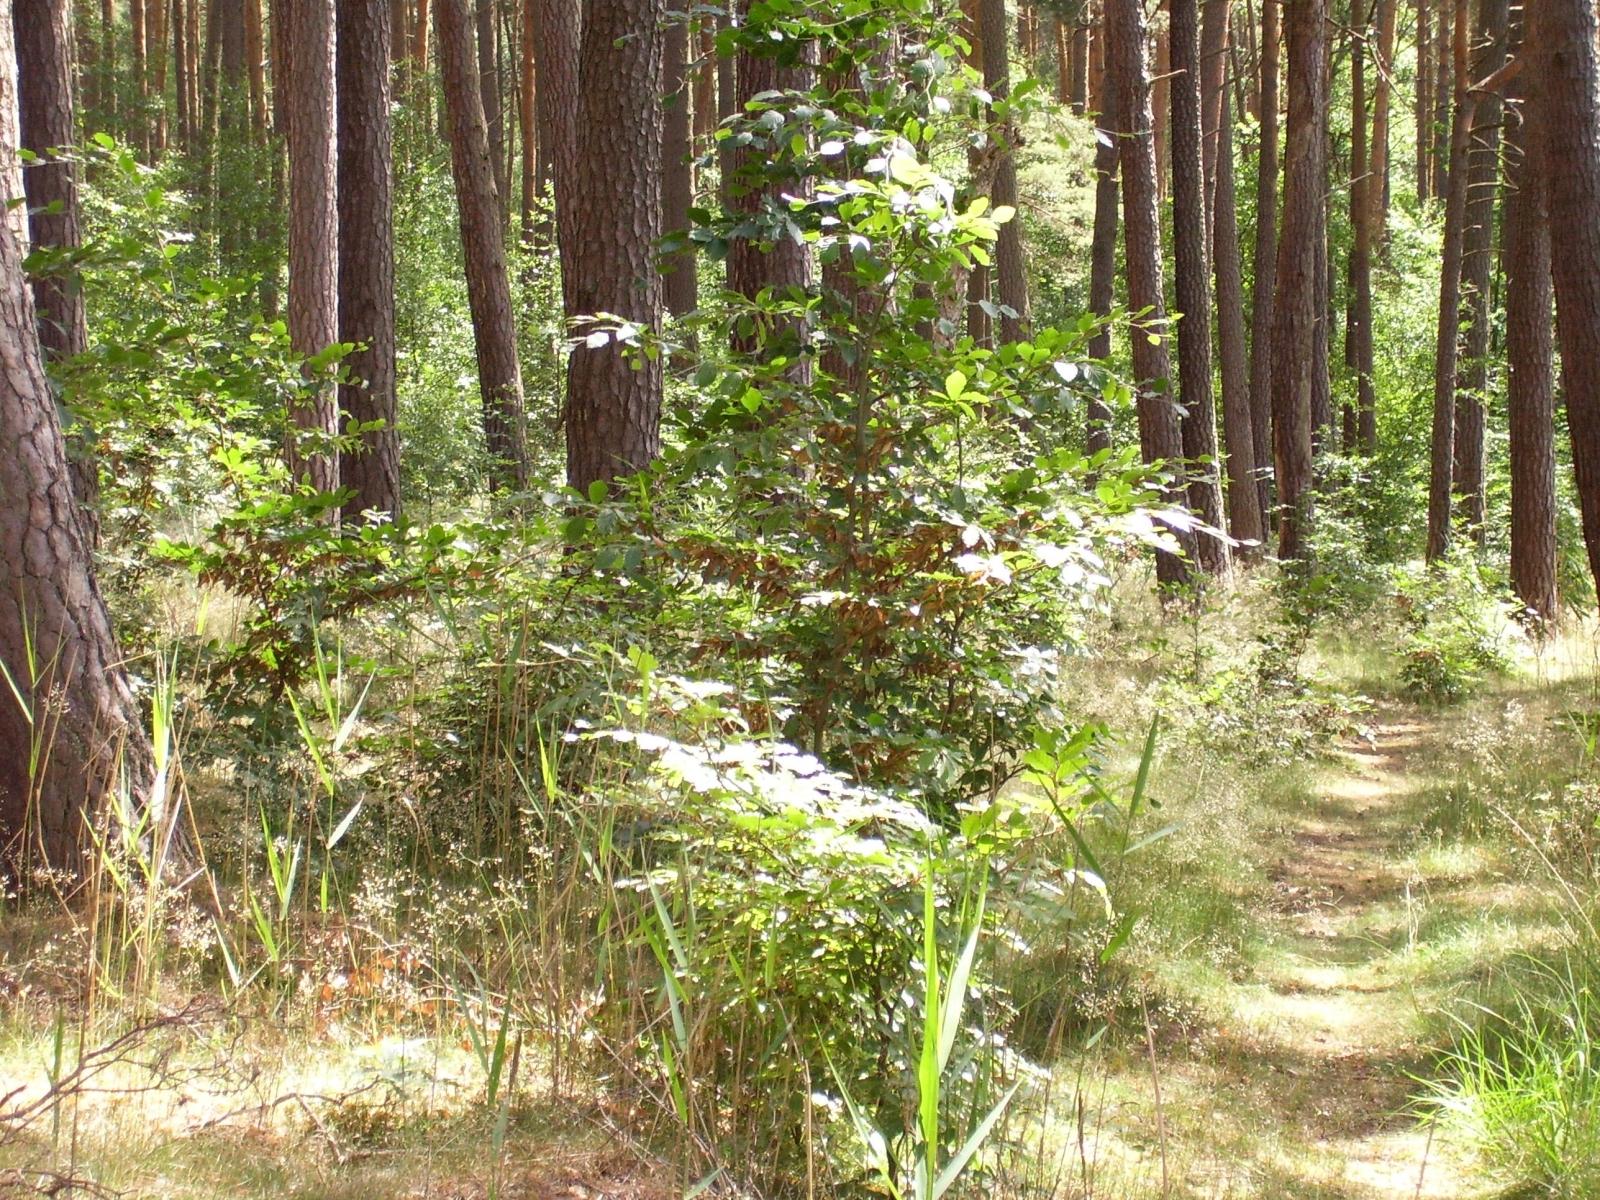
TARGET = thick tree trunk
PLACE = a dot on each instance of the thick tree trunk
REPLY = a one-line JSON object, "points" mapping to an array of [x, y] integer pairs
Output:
{"points": [[1442, 459], [1244, 503], [1160, 433], [494, 331], [1565, 78], [76, 716], [614, 404], [313, 233], [44, 42], [1477, 270], [366, 254], [1103, 249], [677, 183], [1193, 285], [1265, 256], [1530, 389], [1295, 312]]}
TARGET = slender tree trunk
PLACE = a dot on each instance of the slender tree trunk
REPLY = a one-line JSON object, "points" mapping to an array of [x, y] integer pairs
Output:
{"points": [[1213, 91], [1444, 83], [1082, 49], [1103, 249], [489, 93], [1064, 64], [366, 254], [156, 35], [1295, 312], [1193, 284], [613, 404], [1160, 433], [1424, 101], [1265, 255], [677, 184], [255, 56], [1011, 276], [533, 144], [141, 78], [1361, 424], [494, 330], [1244, 503], [1449, 328], [1378, 159], [1477, 269], [1565, 78], [313, 233], [703, 47], [1322, 432], [75, 713], [108, 57], [1531, 378], [181, 70], [1161, 85], [556, 49], [980, 179]]}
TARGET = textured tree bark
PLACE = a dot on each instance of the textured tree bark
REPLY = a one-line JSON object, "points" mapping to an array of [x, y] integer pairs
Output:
{"points": [[1530, 392], [1213, 91], [255, 57], [1193, 285], [1265, 255], [1361, 420], [1244, 503], [1442, 462], [556, 49], [44, 48], [677, 182], [181, 70], [1295, 312], [1011, 277], [1323, 434], [1080, 53], [1161, 87], [313, 231], [494, 332], [1103, 249], [77, 717], [1565, 77], [613, 404], [528, 116], [366, 255], [1443, 86], [156, 35], [980, 181], [1477, 269], [489, 92], [141, 78], [1160, 434]]}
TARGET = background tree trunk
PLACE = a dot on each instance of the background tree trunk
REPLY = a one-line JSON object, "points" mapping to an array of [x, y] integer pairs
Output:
{"points": [[1160, 434], [1530, 391], [488, 43], [494, 331], [1442, 462], [560, 39], [614, 404], [1477, 269], [1244, 504], [1193, 285], [1265, 256], [677, 185], [1424, 102], [1361, 425], [1011, 276], [366, 254], [313, 230], [1103, 249], [1295, 312]]}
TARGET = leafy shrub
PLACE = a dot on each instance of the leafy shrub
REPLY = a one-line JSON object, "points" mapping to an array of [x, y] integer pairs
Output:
{"points": [[1454, 631]]}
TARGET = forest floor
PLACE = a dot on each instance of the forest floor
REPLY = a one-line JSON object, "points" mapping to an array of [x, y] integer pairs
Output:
{"points": [[1370, 929], [1286, 1071]]}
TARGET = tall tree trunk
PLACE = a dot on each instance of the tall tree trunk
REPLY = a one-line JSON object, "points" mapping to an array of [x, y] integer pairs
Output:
{"points": [[1160, 433], [255, 57], [1161, 86], [1361, 425], [156, 23], [108, 57], [1011, 276], [181, 70], [1443, 85], [1213, 91], [533, 144], [1295, 312], [1103, 249], [366, 254], [1079, 53], [1424, 101], [313, 231], [1193, 284], [1442, 463], [1477, 269], [44, 41], [1265, 255], [1322, 431], [494, 332], [1565, 78], [489, 93], [1530, 388], [614, 405], [556, 49], [980, 180], [141, 78], [1244, 503], [1382, 102], [677, 184], [75, 714]]}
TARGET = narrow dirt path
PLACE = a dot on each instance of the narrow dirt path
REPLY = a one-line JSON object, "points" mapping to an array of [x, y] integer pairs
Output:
{"points": [[1335, 1007]]}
